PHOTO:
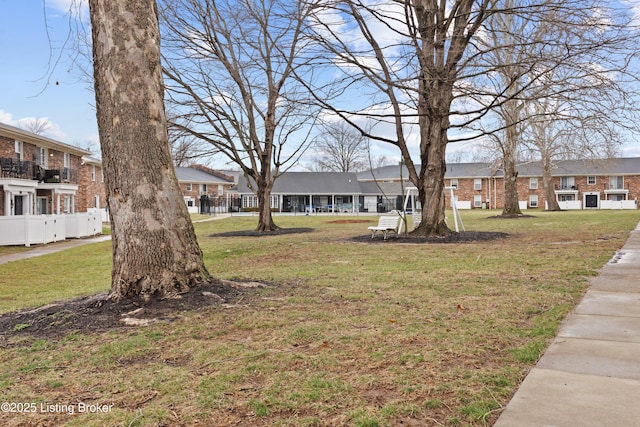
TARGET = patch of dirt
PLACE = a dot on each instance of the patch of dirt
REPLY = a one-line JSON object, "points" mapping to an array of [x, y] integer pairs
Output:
{"points": [[254, 233], [515, 216], [463, 237], [350, 221], [96, 313]]}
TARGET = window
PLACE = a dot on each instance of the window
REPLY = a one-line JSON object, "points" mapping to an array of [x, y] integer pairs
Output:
{"points": [[188, 187], [101, 174], [533, 200], [41, 205], [93, 172], [616, 183], [203, 188], [96, 202], [19, 150], [477, 183], [66, 164], [567, 197], [250, 202], [477, 201], [591, 180], [567, 183], [453, 182], [533, 183], [67, 204], [41, 157], [616, 197], [220, 190]]}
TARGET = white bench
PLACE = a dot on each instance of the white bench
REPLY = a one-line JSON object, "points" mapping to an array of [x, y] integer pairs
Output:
{"points": [[386, 224]]}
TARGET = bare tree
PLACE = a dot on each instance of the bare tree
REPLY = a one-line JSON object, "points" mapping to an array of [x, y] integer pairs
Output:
{"points": [[39, 126], [573, 55], [155, 252], [409, 78], [340, 148], [230, 66]]}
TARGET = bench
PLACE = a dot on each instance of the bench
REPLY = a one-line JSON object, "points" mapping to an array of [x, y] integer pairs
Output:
{"points": [[386, 224]]}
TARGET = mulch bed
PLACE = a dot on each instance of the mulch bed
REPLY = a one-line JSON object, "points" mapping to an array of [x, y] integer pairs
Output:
{"points": [[463, 237], [95, 313], [254, 233]]}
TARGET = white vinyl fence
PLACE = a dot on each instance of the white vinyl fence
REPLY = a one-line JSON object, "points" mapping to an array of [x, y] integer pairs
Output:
{"points": [[618, 204], [41, 229]]}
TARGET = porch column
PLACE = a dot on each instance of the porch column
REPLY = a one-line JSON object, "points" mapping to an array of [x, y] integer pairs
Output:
{"points": [[8, 197], [56, 197], [73, 203]]}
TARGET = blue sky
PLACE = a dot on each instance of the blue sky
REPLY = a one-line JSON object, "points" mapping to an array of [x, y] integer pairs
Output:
{"points": [[33, 85]]}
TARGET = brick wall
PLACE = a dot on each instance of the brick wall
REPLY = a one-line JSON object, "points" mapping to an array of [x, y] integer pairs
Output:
{"points": [[91, 185]]}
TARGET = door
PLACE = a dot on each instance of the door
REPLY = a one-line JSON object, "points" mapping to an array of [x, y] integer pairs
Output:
{"points": [[591, 201], [18, 207]]}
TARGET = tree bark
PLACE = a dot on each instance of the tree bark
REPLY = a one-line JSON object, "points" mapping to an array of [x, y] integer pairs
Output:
{"points": [[547, 183], [155, 252]]}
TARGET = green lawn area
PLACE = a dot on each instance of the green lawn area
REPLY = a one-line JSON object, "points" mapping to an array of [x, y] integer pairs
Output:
{"points": [[347, 334]]}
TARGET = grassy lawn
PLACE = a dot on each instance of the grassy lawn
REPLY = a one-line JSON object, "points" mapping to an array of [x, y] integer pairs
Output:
{"points": [[350, 334]]}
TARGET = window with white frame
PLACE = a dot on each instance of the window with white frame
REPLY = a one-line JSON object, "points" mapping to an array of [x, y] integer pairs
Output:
{"points": [[188, 187], [533, 183], [567, 183], [66, 204], [41, 157], [453, 182], [477, 201], [477, 183], [93, 172], [203, 188], [591, 180], [616, 183], [250, 201], [533, 200], [19, 148]]}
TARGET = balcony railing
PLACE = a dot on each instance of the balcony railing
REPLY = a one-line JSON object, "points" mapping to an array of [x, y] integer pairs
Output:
{"points": [[12, 168], [564, 187], [56, 176]]}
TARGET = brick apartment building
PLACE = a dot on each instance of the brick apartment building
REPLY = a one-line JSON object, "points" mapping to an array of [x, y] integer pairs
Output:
{"points": [[577, 184], [38, 175]]}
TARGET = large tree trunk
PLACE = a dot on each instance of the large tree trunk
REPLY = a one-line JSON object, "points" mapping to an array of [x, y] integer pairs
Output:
{"points": [[434, 123], [547, 183], [511, 204], [265, 219], [155, 252]]}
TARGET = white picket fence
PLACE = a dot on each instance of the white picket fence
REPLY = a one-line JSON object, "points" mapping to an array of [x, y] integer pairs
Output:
{"points": [[29, 230]]}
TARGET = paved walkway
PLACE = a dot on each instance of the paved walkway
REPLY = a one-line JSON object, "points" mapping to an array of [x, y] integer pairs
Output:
{"points": [[51, 248], [590, 375]]}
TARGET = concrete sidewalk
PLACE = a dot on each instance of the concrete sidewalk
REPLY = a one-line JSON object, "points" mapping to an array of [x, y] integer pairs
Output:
{"points": [[50, 248], [590, 375]]}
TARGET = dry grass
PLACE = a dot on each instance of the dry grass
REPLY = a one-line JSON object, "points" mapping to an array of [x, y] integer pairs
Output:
{"points": [[350, 334]]}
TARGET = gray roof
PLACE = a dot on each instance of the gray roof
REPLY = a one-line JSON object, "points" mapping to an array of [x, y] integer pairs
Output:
{"points": [[454, 170], [39, 140], [327, 183], [606, 167], [311, 183], [196, 176]]}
